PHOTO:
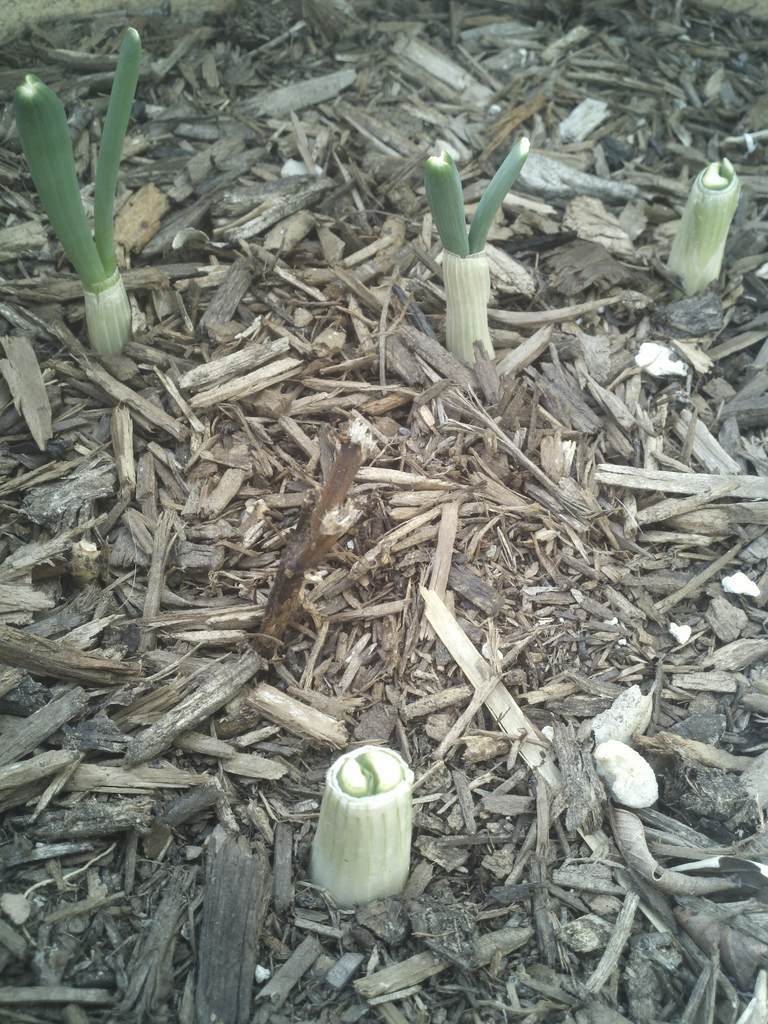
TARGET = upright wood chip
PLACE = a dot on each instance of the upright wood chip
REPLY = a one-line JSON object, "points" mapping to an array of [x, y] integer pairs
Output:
{"points": [[237, 893], [25, 381]]}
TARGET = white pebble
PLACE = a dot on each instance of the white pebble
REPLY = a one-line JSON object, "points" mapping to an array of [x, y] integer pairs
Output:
{"points": [[740, 583], [628, 776], [628, 716], [293, 168], [16, 906], [657, 360], [681, 633]]}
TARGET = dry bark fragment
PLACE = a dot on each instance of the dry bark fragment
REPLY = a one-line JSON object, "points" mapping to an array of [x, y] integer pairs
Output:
{"points": [[237, 894], [150, 969], [41, 657], [22, 374], [33, 730], [297, 717], [86, 820], [279, 987], [221, 685]]}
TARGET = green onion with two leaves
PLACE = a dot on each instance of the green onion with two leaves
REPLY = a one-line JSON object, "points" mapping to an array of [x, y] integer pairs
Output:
{"points": [[42, 125], [465, 265]]}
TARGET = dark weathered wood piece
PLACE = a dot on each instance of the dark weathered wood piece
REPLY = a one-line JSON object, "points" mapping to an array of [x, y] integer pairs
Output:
{"points": [[227, 296], [237, 894], [86, 820], [475, 589], [435, 355], [220, 686], [41, 657], [189, 805], [150, 968], [278, 988], [282, 890], [344, 970], [162, 543], [41, 724], [583, 790], [53, 995]]}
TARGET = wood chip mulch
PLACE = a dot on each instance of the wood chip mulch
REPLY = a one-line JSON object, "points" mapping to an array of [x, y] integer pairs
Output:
{"points": [[286, 521]]}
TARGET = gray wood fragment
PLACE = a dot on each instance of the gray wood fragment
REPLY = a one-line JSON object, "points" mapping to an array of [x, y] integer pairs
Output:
{"points": [[279, 987], [236, 897], [555, 180], [220, 686], [481, 594], [53, 995], [307, 93], [236, 364], [33, 730], [227, 296], [150, 968], [189, 805], [583, 120], [584, 793], [726, 619], [58, 504], [282, 867], [344, 970], [88, 819], [13, 941], [22, 375], [165, 534]]}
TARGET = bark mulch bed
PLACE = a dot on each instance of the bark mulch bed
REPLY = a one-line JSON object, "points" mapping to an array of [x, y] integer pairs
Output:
{"points": [[486, 552]]}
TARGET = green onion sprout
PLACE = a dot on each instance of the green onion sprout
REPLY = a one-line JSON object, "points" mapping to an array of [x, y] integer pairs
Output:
{"points": [[446, 200], [42, 125], [697, 250], [362, 847], [465, 264]]}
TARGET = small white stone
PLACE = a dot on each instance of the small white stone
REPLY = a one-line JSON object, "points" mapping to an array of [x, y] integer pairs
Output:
{"points": [[262, 974], [740, 583], [628, 716], [628, 776], [293, 168], [681, 633], [16, 906], [657, 360]]}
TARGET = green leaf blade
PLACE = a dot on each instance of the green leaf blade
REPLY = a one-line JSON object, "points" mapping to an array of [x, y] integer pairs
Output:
{"points": [[111, 148], [42, 125], [446, 200], [492, 198]]}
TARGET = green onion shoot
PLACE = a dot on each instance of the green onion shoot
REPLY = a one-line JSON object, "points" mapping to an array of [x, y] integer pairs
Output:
{"points": [[362, 847], [465, 264], [42, 125], [697, 250]]}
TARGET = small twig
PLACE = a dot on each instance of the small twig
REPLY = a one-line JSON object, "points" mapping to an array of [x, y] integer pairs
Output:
{"points": [[321, 525], [613, 950]]}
